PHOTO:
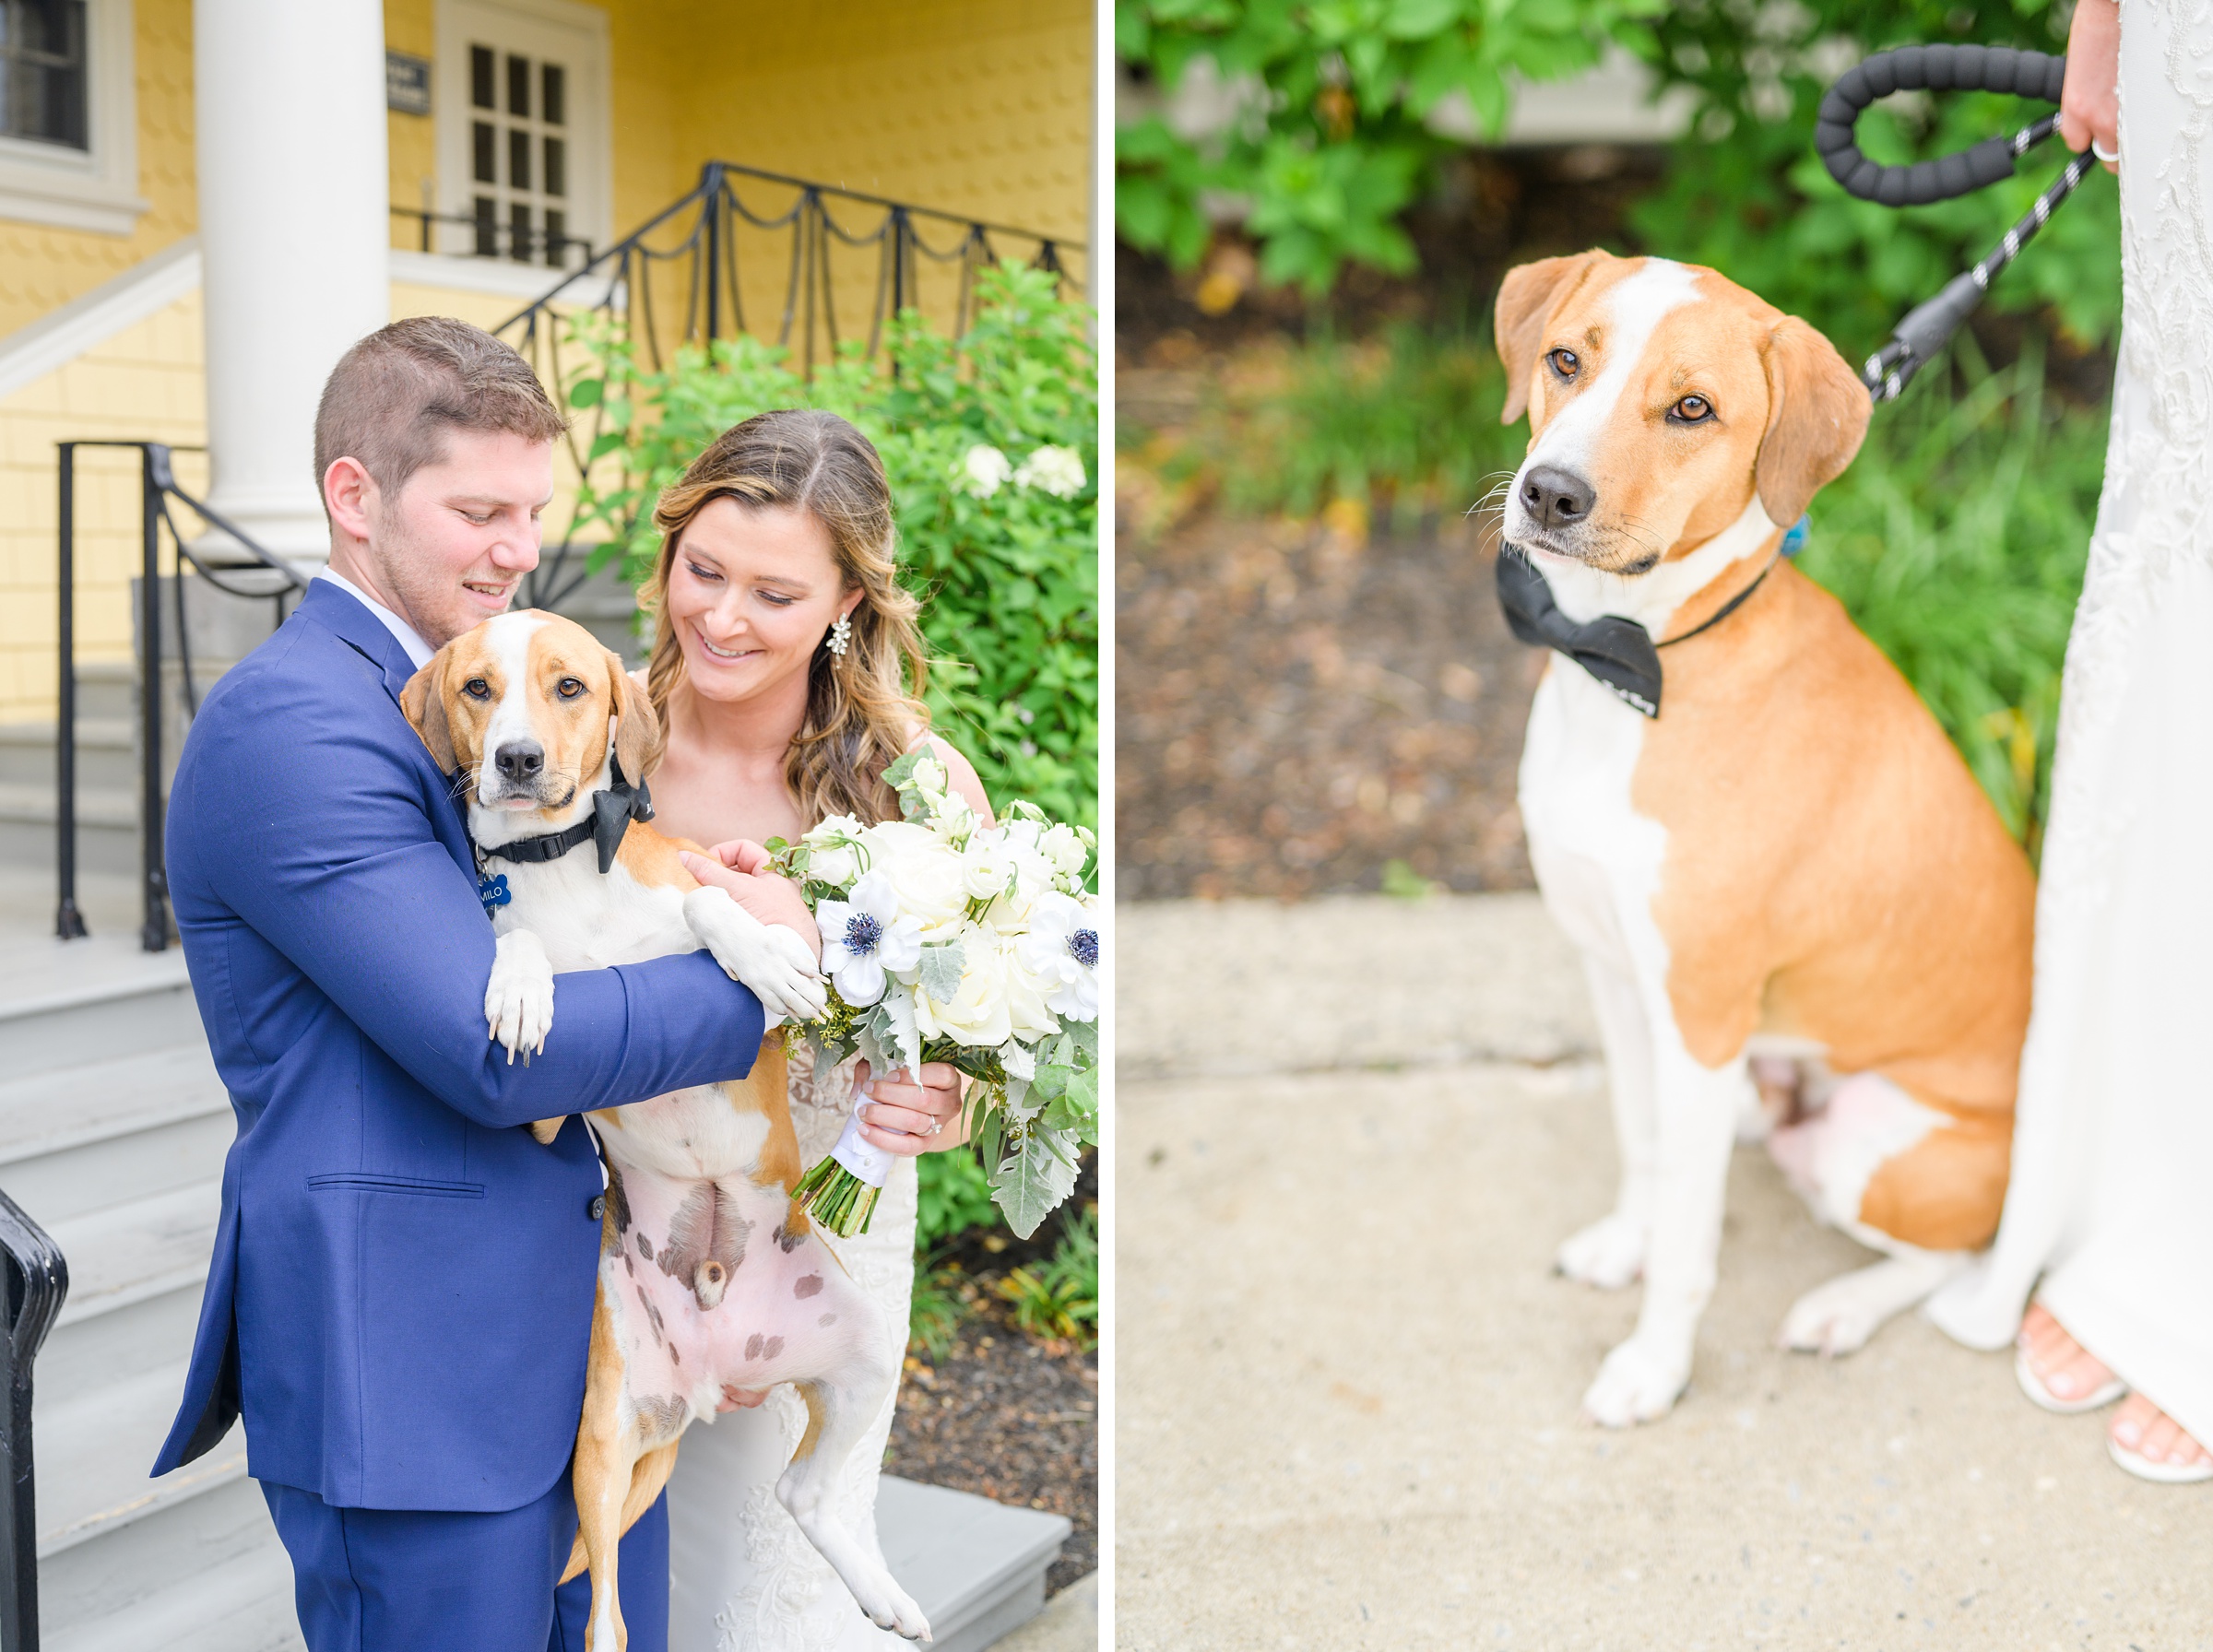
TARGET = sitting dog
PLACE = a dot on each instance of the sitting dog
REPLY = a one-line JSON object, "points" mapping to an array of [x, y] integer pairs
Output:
{"points": [[1782, 879], [712, 1287]]}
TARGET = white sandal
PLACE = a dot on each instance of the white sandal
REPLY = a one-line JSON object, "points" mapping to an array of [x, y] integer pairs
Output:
{"points": [[2033, 1386], [2164, 1474]]}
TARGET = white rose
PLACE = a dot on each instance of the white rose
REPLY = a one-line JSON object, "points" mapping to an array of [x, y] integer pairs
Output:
{"points": [[925, 874], [984, 469], [987, 866], [1054, 470], [980, 1012]]}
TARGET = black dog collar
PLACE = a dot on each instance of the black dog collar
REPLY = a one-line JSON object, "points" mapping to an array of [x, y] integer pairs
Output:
{"points": [[612, 811]]}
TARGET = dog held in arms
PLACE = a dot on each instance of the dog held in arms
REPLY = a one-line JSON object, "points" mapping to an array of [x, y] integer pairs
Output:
{"points": [[712, 1287], [1798, 913]]}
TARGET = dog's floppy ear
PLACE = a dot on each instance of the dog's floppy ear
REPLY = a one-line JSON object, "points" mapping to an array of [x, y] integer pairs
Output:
{"points": [[638, 740], [1527, 296], [423, 701], [1816, 418]]}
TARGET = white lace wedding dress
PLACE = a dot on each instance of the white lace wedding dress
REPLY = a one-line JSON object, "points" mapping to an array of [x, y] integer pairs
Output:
{"points": [[2109, 1201], [740, 1576]]}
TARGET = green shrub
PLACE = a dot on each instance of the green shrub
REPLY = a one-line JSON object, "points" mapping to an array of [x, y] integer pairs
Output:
{"points": [[954, 1195], [943, 1300], [1060, 1298], [1009, 582]]}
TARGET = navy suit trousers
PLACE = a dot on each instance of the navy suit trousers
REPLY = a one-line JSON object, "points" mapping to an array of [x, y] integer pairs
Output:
{"points": [[390, 1580]]}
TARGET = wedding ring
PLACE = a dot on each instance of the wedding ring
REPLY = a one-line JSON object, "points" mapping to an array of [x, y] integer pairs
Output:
{"points": [[2108, 157], [937, 1126]]}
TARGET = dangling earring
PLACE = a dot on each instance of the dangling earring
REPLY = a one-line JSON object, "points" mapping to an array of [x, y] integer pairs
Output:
{"points": [[840, 637]]}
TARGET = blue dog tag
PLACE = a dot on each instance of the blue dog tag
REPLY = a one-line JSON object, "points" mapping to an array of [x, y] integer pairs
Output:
{"points": [[1795, 541], [493, 892]]}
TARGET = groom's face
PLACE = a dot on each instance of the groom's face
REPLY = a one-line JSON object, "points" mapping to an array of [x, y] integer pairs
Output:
{"points": [[453, 544]]}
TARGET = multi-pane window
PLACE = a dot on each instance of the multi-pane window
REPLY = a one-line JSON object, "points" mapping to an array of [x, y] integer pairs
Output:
{"points": [[42, 71], [519, 155]]}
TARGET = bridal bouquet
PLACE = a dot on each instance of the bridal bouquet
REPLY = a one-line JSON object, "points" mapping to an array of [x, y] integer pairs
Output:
{"points": [[946, 939]]}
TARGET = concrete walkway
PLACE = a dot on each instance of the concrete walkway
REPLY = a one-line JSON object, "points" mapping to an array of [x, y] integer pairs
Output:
{"points": [[1350, 1136]]}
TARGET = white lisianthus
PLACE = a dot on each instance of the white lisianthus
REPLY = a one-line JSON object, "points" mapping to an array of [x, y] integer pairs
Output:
{"points": [[953, 820], [984, 470], [1054, 470], [865, 937], [1061, 951], [924, 873], [829, 860], [1067, 847], [931, 779]]}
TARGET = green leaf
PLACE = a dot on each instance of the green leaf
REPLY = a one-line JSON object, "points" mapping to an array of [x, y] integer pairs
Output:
{"points": [[941, 967], [585, 393], [1036, 1175]]}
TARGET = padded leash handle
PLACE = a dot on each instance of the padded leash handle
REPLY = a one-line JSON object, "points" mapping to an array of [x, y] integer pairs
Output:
{"points": [[1928, 326]]}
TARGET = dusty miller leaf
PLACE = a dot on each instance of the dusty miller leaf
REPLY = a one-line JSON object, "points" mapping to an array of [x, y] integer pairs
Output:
{"points": [[941, 967], [1038, 1173]]}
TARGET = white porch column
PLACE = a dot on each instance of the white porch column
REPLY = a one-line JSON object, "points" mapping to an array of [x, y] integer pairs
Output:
{"points": [[293, 232]]}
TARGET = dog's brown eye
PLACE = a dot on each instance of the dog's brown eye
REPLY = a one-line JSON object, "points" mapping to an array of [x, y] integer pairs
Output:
{"points": [[1563, 363], [475, 688], [1691, 409], [568, 688]]}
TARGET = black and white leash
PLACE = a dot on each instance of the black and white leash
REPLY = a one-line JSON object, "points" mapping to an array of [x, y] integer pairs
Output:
{"points": [[1922, 334]]}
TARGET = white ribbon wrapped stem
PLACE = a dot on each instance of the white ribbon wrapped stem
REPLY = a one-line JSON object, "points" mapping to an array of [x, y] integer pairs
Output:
{"points": [[868, 1162]]}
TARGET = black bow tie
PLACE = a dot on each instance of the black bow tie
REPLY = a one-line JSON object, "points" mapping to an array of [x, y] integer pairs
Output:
{"points": [[612, 811], [1618, 651]]}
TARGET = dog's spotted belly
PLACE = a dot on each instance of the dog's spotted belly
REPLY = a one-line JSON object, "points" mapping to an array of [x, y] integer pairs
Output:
{"points": [[706, 1290]]}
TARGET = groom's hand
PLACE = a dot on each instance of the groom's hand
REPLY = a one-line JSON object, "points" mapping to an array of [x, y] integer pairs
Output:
{"points": [[736, 868]]}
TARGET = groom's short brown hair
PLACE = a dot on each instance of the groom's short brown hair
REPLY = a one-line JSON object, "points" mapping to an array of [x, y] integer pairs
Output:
{"points": [[392, 396]]}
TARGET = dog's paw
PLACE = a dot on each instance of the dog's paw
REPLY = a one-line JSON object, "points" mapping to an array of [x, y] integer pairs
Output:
{"points": [[776, 965], [888, 1605], [518, 1000], [1608, 1254], [1839, 1318], [1635, 1385]]}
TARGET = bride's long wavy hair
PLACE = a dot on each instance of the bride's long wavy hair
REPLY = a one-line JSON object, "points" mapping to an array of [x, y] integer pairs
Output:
{"points": [[865, 710]]}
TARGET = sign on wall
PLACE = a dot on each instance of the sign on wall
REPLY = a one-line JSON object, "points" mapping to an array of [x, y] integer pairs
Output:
{"points": [[407, 84]]}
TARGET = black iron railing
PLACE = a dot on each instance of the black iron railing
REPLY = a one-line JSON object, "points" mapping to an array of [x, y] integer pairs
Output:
{"points": [[158, 486], [489, 238], [681, 280], [38, 1278]]}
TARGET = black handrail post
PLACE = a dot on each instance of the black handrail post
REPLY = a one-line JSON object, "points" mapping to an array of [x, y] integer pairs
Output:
{"points": [[710, 180], [153, 935], [38, 1278], [68, 923]]}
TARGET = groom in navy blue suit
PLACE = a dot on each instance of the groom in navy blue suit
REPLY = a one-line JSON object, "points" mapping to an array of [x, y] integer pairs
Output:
{"points": [[402, 1286]]}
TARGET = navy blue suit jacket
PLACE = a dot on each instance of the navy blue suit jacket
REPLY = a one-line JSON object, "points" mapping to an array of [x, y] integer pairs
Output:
{"points": [[401, 1291]]}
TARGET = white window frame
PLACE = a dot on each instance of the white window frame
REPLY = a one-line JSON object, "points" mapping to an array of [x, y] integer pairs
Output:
{"points": [[590, 163], [95, 189]]}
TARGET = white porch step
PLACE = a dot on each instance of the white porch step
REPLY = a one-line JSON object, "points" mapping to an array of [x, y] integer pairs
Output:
{"points": [[80, 1140], [64, 1002], [132, 1253], [242, 1605], [977, 1568], [93, 1451]]}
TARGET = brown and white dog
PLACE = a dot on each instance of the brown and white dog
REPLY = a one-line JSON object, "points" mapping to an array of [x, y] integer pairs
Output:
{"points": [[710, 1284], [1786, 887]]}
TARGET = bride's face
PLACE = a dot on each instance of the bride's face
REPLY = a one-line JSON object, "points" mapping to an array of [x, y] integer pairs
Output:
{"points": [[751, 594]]}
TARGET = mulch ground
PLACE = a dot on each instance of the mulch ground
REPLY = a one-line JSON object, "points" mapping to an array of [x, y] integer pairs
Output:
{"points": [[1296, 710]]}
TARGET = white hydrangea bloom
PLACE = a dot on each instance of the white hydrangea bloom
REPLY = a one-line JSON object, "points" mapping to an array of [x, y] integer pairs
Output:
{"points": [[984, 470], [1054, 470]]}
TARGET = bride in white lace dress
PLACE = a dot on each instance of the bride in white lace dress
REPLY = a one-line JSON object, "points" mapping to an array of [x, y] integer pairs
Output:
{"points": [[784, 670], [2108, 1200]]}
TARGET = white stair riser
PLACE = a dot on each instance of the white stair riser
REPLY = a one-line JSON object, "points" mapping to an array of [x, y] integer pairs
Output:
{"points": [[133, 1590], [110, 1348], [56, 1186], [107, 689], [106, 759], [102, 1030], [100, 848]]}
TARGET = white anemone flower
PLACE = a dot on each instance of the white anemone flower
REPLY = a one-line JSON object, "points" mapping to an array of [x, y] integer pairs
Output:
{"points": [[1054, 470], [1062, 951], [866, 936], [984, 470]]}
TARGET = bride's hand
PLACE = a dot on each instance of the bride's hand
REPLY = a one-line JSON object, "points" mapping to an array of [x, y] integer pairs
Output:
{"points": [[735, 867], [2089, 98], [906, 1118]]}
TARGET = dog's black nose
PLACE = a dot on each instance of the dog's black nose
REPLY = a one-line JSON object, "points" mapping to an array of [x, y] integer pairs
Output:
{"points": [[1557, 498], [520, 759]]}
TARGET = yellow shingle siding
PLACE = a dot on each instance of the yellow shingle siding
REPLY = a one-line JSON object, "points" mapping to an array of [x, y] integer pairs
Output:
{"points": [[41, 268]]}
